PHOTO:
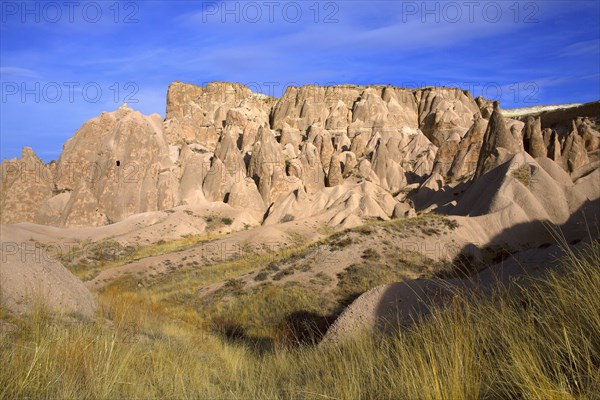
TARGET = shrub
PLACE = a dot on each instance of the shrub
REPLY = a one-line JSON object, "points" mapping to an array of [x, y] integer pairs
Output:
{"points": [[226, 221], [261, 276], [370, 254], [287, 218]]}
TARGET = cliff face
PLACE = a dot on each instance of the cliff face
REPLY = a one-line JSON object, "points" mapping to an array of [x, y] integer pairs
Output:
{"points": [[222, 142]]}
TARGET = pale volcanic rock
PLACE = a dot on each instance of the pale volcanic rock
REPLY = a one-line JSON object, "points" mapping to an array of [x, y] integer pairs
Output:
{"points": [[244, 195], [434, 183], [574, 154], [249, 136], [80, 153], [530, 125], [217, 183], [537, 147], [465, 161], [290, 152], [267, 166], [445, 157], [29, 278], [250, 110], [516, 127], [27, 183], [291, 136], [339, 117], [419, 154], [293, 167], [513, 204], [533, 139], [334, 205], [313, 175], [401, 106], [301, 107], [486, 107], [497, 136], [404, 210], [387, 308], [365, 171], [370, 109], [83, 209], [334, 174], [372, 143], [591, 136], [347, 108], [51, 212], [123, 163], [358, 145], [525, 189], [195, 164], [554, 152], [356, 129], [547, 135], [134, 157], [198, 114], [322, 141], [227, 168], [342, 142], [390, 173], [444, 111], [349, 162]]}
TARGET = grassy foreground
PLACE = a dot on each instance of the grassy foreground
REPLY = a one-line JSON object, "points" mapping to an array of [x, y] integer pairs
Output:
{"points": [[536, 341]]}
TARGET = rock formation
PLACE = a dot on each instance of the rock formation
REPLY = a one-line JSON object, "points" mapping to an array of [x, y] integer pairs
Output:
{"points": [[445, 113], [223, 143], [533, 140], [27, 183], [574, 154], [29, 277], [497, 141], [334, 173], [198, 114], [267, 166], [465, 161]]}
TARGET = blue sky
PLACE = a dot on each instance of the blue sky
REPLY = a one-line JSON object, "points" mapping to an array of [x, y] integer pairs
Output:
{"points": [[55, 56]]}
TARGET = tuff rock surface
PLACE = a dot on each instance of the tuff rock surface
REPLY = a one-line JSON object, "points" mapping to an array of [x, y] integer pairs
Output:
{"points": [[223, 143]]}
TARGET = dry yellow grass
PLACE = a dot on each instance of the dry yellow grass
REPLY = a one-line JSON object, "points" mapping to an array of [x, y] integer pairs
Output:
{"points": [[536, 341], [111, 254]]}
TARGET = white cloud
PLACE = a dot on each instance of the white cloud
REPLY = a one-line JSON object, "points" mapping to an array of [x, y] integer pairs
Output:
{"points": [[586, 47], [18, 72]]}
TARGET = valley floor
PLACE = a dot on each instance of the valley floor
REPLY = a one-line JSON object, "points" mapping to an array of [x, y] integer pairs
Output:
{"points": [[539, 339]]}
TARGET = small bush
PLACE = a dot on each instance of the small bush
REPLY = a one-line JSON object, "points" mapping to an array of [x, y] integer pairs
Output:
{"points": [[287, 218], [273, 266], [226, 221], [283, 273], [370, 254], [234, 286], [345, 242], [523, 174], [261, 276], [430, 231]]}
